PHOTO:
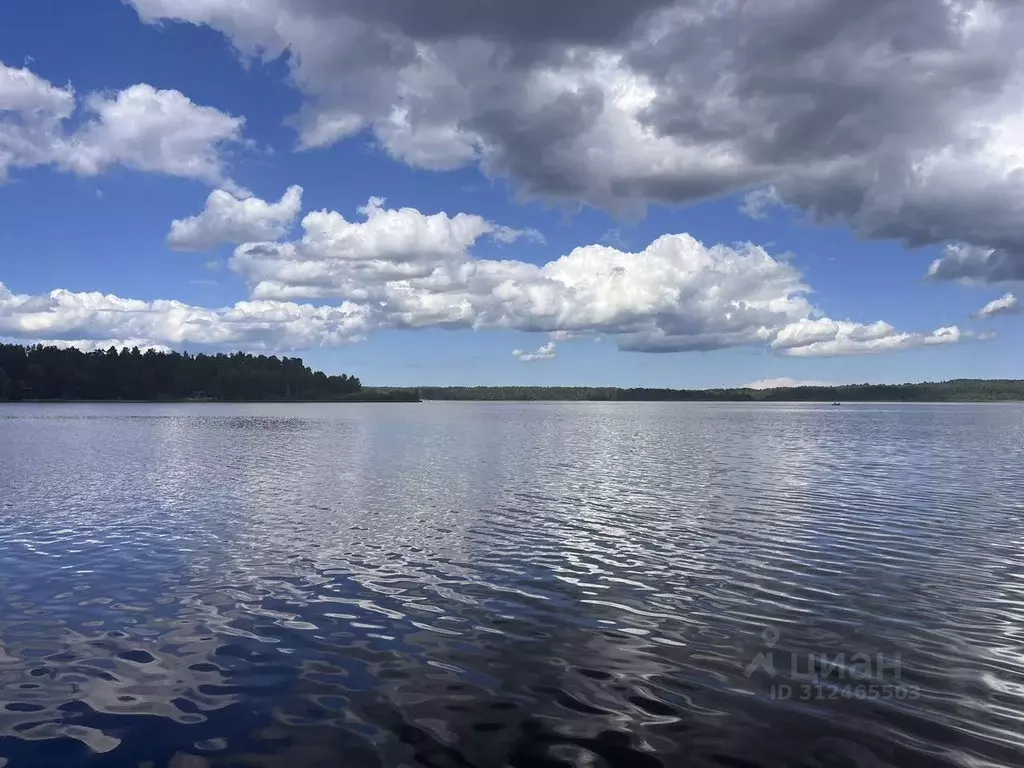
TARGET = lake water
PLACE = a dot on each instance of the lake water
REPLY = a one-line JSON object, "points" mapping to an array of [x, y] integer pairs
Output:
{"points": [[504, 584]]}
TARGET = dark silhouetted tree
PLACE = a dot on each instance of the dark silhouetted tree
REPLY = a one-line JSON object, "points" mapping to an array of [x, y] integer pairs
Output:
{"points": [[51, 373]]}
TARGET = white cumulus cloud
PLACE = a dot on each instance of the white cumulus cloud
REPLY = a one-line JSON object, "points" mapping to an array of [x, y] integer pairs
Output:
{"points": [[824, 338], [417, 270], [545, 352], [1005, 305], [365, 259], [140, 127], [32, 112], [161, 131], [82, 319], [230, 218]]}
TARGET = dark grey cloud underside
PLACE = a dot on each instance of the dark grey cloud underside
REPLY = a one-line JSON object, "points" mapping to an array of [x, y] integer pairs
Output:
{"points": [[832, 102], [522, 22], [996, 266]]}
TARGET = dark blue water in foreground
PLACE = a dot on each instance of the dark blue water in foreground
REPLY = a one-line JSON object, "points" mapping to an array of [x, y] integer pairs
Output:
{"points": [[461, 584]]}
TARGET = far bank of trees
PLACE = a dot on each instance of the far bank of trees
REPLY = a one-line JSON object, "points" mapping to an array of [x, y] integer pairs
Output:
{"points": [[959, 390], [52, 373]]}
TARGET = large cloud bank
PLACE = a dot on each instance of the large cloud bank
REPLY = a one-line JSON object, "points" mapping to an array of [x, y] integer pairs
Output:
{"points": [[402, 268], [900, 119]]}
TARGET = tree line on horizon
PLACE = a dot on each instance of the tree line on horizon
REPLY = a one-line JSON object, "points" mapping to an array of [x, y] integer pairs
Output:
{"points": [[40, 372], [53, 373], [958, 390]]}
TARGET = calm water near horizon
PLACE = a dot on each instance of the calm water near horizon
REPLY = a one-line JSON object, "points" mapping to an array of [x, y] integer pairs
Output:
{"points": [[511, 584]]}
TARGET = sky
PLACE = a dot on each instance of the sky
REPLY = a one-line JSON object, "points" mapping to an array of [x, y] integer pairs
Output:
{"points": [[667, 193]]}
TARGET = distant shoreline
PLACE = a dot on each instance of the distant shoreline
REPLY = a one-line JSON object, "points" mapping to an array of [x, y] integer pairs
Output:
{"points": [[370, 400], [49, 374], [521, 400], [957, 390]]}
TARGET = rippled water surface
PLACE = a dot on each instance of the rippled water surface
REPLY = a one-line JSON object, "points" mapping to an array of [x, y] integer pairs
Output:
{"points": [[496, 584]]}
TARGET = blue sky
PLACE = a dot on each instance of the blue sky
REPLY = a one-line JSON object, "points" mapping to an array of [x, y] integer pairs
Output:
{"points": [[90, 196]]}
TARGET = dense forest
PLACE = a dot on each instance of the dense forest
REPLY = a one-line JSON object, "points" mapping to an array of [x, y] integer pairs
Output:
{"points": [[52, 373], [959, 390]]}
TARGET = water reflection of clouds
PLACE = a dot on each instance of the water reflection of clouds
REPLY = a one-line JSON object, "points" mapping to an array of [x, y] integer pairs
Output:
{"points": [[512, 577], [116, 623]]}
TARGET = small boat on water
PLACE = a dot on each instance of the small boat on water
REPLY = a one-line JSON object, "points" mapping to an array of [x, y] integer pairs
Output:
{"points": [[836, 403]]}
